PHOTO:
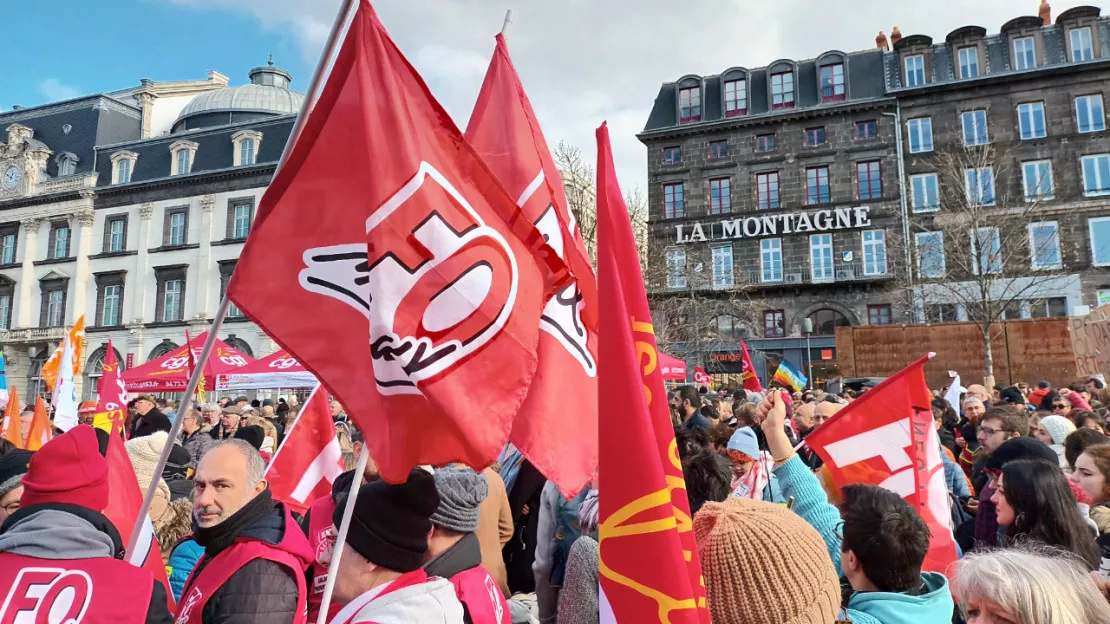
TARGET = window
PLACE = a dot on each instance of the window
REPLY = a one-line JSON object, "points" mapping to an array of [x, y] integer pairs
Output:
{"points": [[1102, 297], [109, 299], [770, 259], [182, 161], [169, 307], [969, 62], [246, 152], [67, 166], [1037, 180], [720, 200], [226, 269], [782, 90], [1100, 241], [940, 313], [1044, 245], [815, 136], [1096, 175], [878, 314], [817, 185], [6, 306], [923, 191], [765, 143], [673, 207], [866, 130], [722, 266], [869, 180], [1089, 115], [176, 228], [1031, 120], [59, 240], [689, 104], [123, 172], [774, 324], [1081, 49], [979, 184], [986, 248], [767, 190], [874, 252], [240, 214], [8, 237], [832, 83], [729, 328], [1047, 308], [676, 268], [736, 97], [53, 311], [1025, 55], [915, 70], [245, 143], [672, 155], [826, 321], [718, 149], [975, 127], [930, 254], [820, 257], [115, 234], [921, 134]]}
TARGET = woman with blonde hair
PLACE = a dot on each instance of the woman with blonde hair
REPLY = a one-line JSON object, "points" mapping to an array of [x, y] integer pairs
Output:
{"points": [[1028, 584]]}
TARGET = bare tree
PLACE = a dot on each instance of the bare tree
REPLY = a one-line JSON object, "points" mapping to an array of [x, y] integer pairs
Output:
{"points": [[988, 247]]}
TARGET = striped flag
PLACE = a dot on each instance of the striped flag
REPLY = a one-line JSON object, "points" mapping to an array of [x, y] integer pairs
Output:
{"points": [[787, 375]]}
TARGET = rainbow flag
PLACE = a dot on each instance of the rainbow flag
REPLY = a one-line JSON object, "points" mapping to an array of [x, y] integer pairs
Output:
{"points": [[787, 375]]}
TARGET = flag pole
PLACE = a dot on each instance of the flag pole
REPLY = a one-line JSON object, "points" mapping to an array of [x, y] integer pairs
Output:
{"points": [[225, 304], [507, 23], [345, 523]]}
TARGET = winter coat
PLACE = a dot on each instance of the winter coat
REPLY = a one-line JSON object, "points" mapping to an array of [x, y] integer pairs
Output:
{"points": [[520, 552], [196, 444], [412, 598], [175, 524], [495, 528], [578, 600], [934, 606], [547, 595], [150, 422], [269, 428], [182, 561]]}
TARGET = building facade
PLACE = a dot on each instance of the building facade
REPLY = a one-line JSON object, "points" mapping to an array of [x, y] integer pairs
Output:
{"points": [[131, 208]]}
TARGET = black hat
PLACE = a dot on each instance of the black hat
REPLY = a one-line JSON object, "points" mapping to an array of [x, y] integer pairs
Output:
{"points": [[253, 434], [177, 466], [12, 468], [391, 523], [1012, 395], [266, 402], [1020, 448]]}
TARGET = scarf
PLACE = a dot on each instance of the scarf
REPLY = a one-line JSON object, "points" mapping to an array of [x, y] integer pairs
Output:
{"points": [[752, 484], [216, 538]]}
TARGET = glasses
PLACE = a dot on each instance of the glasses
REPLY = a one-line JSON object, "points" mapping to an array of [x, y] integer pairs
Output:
{"points": [[988, 431], [11, 507], [1059, 407], [838, 530]]}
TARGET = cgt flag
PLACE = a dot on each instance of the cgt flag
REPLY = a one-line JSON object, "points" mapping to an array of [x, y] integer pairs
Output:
{"points": [[111, 396], [431, 283], [701, 377], [747, 371], [306, 464], [649, 565], [555, 429], [887, 438]]}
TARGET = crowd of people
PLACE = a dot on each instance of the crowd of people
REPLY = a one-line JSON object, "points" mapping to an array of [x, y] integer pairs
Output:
{"points": [[1028, 477], [449, 545]]}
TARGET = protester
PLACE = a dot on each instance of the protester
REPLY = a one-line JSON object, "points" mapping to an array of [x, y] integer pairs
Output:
{"points": [[1092, 475], [194, 437], [86, 412], [178, 474], [229, 423], [751, 468], [241, 402], [337, 413], [708, 478], [1079, 440], [578, 600], [998, 425], [525, 498], [60, 529], [495, 526], [976, 391], [1053, 431], [944, 420], [688, 404], [172, 519], [148, 418], [26, 417], [13, 465], [255, 556], [556, 529]]}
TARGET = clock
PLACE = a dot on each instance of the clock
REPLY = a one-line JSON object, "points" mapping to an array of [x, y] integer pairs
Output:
{"points": [[12, 176]]}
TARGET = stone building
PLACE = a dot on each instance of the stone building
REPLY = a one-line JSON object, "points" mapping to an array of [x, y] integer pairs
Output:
{"points": [[773, 199], [131, 208]]}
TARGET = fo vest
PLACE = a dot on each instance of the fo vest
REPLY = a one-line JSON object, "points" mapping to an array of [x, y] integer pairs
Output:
{"points": [[483, 598], [322, 541], [81, 591]]}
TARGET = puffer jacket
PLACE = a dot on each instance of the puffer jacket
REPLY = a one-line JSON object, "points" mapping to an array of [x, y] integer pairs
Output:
{"points": [[176, 524], [184, 558]]}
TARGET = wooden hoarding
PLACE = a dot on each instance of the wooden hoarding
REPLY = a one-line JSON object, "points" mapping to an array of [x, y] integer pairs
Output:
{"points": [[1090, 342]]}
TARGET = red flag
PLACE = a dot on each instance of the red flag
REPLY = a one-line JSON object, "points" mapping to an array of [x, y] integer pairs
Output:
{"points": [[886, 438], [555, 429], [307, 463], [123, 508], [747, 371], [41, 428], [111, 396], [650, 568], [430, 283], [701, 377]]}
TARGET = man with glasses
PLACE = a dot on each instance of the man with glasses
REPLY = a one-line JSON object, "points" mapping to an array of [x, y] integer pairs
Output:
{"points": [[12, 468], [998, 425], [1061, 407], [193, 437]]}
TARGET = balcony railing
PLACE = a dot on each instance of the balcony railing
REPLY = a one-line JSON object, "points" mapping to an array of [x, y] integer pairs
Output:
{"points": [[840, 273], [67, 183], [32, 334]]}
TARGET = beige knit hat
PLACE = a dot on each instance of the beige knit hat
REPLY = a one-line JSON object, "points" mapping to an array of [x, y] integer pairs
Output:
{"points": [[763, 564], [144, 453]]}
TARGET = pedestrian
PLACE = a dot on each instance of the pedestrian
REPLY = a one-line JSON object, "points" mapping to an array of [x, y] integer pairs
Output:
{"points": [[229, 423], [193, 437], [148, 417]]}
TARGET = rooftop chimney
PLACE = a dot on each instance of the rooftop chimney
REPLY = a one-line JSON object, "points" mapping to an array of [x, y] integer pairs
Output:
{"points": [[880, 41], [1045, 13], [895, 36]]}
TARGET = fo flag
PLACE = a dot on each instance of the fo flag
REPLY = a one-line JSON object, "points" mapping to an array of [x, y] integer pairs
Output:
{"points": [[309, 460], [887, 438], [555, 429], [701, 377], [386, 223]]}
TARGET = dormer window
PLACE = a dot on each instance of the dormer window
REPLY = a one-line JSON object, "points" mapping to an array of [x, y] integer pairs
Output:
{"points": [[782, 90], [832, 82], [246, 144], [67, 164], [969, 62], [123, 164], [1081, 48], [181, 157], [1025, 53], [736, 97], [915, 70], [689, 104]]}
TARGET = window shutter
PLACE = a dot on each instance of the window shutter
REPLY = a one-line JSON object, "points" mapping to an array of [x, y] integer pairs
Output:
{"points": [[100, 303], [230, 220], [166, 228], [107, 237], [45, 295]]}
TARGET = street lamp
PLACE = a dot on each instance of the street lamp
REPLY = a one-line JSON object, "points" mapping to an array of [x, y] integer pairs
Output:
{"points": [[807, 329]]}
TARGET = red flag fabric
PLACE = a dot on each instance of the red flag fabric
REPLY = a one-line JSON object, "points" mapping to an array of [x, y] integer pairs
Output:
{"points": [[111, 395], [431, 284], [309, 460], [701, 377], [747, 371], [170, 373], [41, 429], [555, 429], [650, 570], [123, 508], [886, 438], [672, 368]]}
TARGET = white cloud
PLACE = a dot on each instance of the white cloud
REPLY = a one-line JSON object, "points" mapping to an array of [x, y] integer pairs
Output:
{"points": [[53, 90], [584, 61]]}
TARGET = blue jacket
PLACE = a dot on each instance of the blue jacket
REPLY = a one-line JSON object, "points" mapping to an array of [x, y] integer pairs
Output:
{"points": [[810, 502], [182, 561]]}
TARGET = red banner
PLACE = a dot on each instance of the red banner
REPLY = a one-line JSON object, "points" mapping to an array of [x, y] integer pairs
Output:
{"points": [[751, 380], [309, 459], [111, 395], [701, 377]]}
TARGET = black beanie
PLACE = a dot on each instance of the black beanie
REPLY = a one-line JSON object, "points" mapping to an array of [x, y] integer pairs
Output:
{"points": [[253, 434], [1020, 448], [391, 523]]}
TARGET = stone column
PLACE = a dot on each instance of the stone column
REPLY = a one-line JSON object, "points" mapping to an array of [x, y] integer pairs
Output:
{"points": [[141, 284], [204, 267], [85, 219], [146, 104], [27, 284]]}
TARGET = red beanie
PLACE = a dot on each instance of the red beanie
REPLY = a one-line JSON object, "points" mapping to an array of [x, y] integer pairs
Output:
{"points": [[68, 469]]}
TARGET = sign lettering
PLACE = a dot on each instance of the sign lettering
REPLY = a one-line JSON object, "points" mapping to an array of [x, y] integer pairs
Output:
{"points": [[774, 225]]}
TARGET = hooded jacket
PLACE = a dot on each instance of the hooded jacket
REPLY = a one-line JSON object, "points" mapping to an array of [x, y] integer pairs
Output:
{"points": [[476, 589], [412, 598]]}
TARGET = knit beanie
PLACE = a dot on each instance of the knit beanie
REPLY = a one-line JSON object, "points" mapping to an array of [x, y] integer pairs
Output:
{"points": [[253, 434], [763, 564], [144, 453], [68, 469], [12, 468], [391, 523], [461, 491], [1058, 427], [1020, 448]]}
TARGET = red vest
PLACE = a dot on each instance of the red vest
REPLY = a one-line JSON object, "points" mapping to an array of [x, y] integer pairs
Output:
{"points": [[104, 591], [483, 598], [322, 541]]}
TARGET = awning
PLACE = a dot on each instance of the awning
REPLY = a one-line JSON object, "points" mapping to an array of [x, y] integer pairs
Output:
{"points": [[277, 370], [170, 372], [672, 367]]}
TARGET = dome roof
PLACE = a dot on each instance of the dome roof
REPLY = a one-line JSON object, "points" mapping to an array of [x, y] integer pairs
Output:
{"points": [[267, 94]]}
